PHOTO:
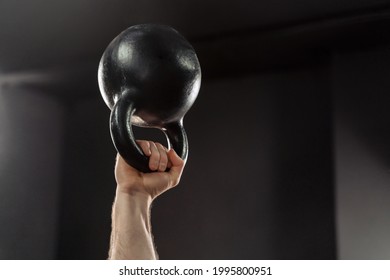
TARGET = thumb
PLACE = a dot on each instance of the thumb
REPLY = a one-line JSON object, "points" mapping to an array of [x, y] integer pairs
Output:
{"points": [[177, 166]]}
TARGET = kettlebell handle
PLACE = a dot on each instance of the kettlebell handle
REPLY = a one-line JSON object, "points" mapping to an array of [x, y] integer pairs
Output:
{"points": [[124, 141]]}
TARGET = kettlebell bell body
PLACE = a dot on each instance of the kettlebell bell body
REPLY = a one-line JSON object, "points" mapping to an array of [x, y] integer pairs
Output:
{"points": [[148, 76]]}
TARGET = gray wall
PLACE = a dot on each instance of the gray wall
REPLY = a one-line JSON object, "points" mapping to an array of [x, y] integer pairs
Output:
{"points": [[254, 187], [361, 88], [88, 184], [251, 188], [31, 141], [287, 164]]}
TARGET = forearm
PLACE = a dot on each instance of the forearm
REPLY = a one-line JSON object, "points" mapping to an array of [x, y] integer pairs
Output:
{"points": [[131, 236]]}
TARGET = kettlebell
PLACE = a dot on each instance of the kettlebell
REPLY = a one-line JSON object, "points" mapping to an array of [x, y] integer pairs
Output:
{"points": [[149, 76]]}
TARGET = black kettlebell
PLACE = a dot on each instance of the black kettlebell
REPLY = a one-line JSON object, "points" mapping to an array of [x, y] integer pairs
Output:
{"points": [[149, 76]]}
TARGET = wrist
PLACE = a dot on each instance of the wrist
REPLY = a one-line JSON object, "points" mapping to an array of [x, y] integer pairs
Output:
{"points": [[131, 207], [135, 196]]}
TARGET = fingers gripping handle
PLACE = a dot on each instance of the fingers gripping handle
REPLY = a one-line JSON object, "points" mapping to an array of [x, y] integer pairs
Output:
{"points": [[124, 142]]}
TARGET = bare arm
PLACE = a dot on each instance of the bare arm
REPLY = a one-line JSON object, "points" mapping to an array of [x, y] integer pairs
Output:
{"points": [[131, 236]]}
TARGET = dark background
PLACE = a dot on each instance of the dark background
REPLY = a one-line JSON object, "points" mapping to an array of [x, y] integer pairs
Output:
{"points": [[289, 136]]}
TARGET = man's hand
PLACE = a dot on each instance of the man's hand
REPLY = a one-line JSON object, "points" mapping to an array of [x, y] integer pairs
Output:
{"points": [[133, 182], [131, 236]]}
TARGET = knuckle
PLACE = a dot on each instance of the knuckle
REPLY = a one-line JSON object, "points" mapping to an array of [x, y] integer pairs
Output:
{"points": [[162, 147]]}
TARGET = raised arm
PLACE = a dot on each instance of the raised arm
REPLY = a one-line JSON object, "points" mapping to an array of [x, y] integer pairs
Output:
{"points": [[131, 236]]}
